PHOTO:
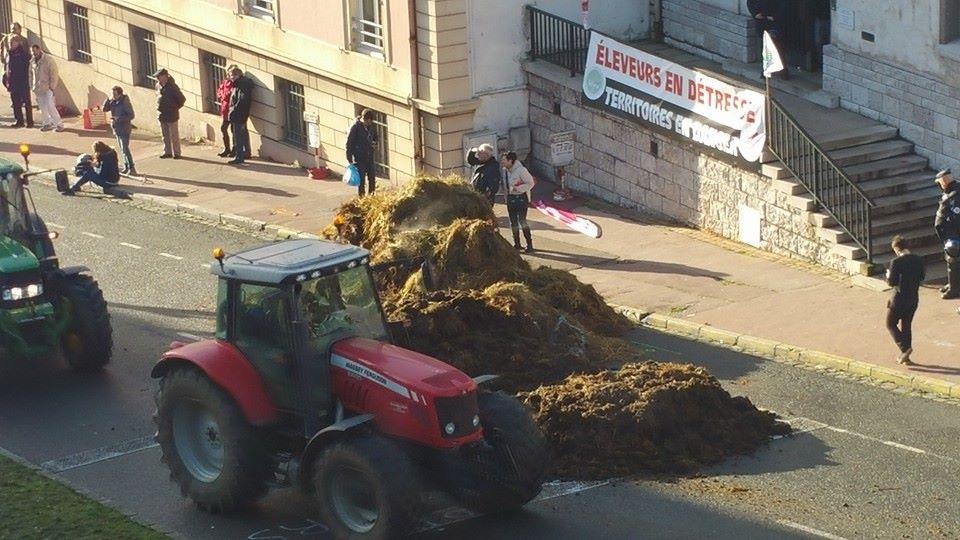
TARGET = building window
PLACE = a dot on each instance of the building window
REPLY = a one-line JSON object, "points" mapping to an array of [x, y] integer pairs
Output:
{"points": [[294, 103], [381, 155], [79, 33], [6, 15], [144, 49], [260, 8], [214, 70], [949, 20], [368, 28]]}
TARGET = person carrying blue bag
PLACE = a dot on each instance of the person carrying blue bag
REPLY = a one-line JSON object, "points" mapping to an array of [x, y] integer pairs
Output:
{"points": [[361, 142]]}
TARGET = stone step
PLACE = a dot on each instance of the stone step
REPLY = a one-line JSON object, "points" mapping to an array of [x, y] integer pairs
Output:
{"points": [[890, 185], [931, 255], [891, 224], [887, 167], [836, 140], [887, 205], [925, 241], [867, 153]]}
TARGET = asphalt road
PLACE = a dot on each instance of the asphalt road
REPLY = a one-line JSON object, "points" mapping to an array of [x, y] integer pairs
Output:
{"points": [[865, 461]]}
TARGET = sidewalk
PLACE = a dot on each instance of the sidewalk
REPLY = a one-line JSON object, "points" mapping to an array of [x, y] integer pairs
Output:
{"points": [[695, 282]]}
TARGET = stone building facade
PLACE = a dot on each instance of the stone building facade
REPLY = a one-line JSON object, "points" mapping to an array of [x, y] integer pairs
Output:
{"points": [[633, 167]]}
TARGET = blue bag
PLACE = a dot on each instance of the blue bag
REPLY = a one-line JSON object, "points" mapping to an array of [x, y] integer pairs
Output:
{"points": [[351, 176]]}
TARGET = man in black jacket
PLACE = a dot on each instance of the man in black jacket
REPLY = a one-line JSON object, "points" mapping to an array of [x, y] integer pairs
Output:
{"points": [[770, 16], [17, 73], [169, 102], [486, 170], [947, 225], [240, 98], [905, 275], [361, 142]]}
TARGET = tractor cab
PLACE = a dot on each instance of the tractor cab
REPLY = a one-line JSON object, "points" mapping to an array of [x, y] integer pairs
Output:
{"points": [[283, 305], [19, 219]]}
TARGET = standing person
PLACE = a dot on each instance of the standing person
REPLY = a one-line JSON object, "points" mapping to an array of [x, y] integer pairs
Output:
{"points": [[519, 183], [947, 225], [45, 79], [169, 102], [486, 171], [905, 274], [17, 76], [121, 116], [104, 171], [241, 95], [770, 16], [223, 100], [361, 142], [7, 41]]}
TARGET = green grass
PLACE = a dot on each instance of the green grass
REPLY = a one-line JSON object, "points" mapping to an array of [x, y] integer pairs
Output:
{"points": [[34, 506]]}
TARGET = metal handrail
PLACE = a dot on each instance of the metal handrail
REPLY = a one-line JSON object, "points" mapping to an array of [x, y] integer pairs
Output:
{"points": [[558, 40], [831, 188]]}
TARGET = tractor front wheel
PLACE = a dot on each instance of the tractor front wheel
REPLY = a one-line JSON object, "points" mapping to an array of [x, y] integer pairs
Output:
{"points": [[507, 469], [367, 489], [87, 343], [213, 453]]}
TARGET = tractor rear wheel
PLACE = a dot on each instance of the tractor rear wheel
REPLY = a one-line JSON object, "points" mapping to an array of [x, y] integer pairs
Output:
{"points": [[507, 470], [213, 453], [367, 488], [87, 343]]}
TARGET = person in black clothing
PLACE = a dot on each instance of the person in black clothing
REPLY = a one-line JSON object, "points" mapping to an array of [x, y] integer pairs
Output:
{"points": [[17, 77], [905, 274], [361, 143], [104, 170], [169, 102], [770, 16], [241, 95], [947, 225], [486, 170]]}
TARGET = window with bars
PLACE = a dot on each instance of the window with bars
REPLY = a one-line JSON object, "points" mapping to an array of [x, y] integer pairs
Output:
{"points": [[260, 8], [143, 46], [78, 24], [214, 71], [6, 15], [949, 20], [381, 154], [368, 28], [294, 103]]}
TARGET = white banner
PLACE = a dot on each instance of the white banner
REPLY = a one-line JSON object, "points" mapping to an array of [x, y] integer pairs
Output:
{"points": [[651, 90]]}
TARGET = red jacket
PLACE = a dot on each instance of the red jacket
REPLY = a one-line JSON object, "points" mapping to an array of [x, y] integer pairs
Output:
{"points": [[223, 96]]}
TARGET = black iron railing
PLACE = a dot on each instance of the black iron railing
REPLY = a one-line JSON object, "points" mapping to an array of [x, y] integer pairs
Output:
{"points": [[832, 189], [558, 40]]}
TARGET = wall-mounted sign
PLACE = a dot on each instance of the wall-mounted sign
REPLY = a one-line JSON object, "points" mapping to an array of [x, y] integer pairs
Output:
{"points": [[561, 148], [652, 91]]}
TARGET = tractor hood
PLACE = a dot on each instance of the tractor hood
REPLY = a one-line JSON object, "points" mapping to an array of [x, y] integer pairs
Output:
{"points": [[15, 257], [399, 369]]}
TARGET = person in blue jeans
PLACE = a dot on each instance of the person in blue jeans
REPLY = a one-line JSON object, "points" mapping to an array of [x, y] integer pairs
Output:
{"points": [[104, 170], [121, 116]]}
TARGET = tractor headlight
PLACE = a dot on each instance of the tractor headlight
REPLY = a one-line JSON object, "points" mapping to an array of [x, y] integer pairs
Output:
{"points": [[476, 420], [450, 428], [20, 293]]}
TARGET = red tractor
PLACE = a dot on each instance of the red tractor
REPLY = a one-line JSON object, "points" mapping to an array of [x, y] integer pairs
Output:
{"points": [[302, 385]]}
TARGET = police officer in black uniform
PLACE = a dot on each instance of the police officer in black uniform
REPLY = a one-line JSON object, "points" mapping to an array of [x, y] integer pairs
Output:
{"points": [[947, 225]]}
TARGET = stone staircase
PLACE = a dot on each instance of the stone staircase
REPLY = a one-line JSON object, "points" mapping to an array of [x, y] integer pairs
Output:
{"points": [[896, 179]]}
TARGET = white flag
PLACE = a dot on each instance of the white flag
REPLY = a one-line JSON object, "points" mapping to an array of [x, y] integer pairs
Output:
{"points": [[771, 56]]}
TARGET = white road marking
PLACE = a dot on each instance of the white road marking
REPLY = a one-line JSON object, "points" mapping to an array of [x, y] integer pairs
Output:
{"points": [[131, 246], [205, 266], [806, 425], [91, 235], [55, 225], [89, 457], [809, 530], [169, 256]]}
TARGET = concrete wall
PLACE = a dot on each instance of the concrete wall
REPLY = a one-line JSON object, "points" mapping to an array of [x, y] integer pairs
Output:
{"points": [[715, 29], [614, 162], [623, 19]]}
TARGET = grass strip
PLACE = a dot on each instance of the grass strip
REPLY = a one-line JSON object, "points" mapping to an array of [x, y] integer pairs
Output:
{"points": [[34, 506]]}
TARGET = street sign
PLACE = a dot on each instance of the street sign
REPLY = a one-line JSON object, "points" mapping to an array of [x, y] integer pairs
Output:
{"points": [[312, 119], [561, 147]]}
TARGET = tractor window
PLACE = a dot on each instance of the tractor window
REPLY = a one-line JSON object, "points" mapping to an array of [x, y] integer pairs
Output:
{"points": [[263, 335], [346, 300], [13, 217], [222, 287]]}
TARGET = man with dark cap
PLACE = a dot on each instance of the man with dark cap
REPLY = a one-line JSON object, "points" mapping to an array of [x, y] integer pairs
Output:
{"points": [[361, 143], [169, 102], [947, 226]]}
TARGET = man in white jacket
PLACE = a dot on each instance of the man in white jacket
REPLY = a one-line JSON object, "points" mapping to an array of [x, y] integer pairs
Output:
{"points": [[45, 79], [519, 182]]}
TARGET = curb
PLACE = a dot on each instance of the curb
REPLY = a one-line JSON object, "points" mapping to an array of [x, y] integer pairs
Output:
{"points": [[247, 224], [774, 350]]}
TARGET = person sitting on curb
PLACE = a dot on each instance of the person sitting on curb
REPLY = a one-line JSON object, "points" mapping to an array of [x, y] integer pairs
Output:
{"points": [[103, 170]]}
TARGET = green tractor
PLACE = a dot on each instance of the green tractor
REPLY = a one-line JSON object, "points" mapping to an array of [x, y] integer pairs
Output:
{"points": [[44, 308]]}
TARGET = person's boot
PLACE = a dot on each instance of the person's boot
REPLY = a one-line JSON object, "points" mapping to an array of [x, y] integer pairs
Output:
{"points": [[529, 238], [516, 240], [953, 283], [226, 152]]}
